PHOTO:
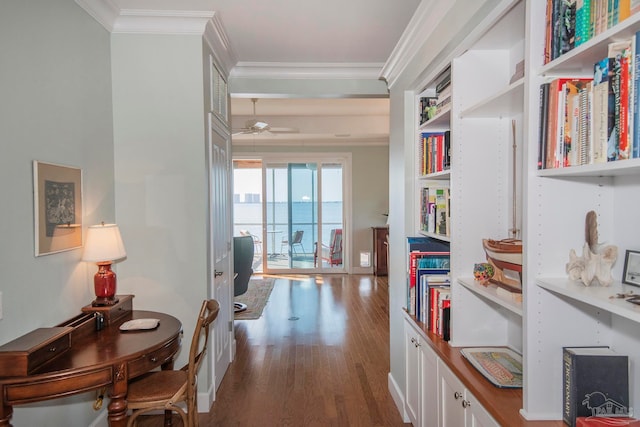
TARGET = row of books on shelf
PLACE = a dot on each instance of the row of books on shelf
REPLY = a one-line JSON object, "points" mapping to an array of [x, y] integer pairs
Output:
{"points": [[594, 119], [434, 152], [429, 290], [570, 23], [435, 208], [431, 106]]}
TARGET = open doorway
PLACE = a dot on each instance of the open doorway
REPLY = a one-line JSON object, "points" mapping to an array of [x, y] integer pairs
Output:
{"points": [[295, 210]]}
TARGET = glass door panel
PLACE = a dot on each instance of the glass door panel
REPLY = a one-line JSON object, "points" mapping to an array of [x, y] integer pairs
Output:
{"points": [[331, 212], [291, 214], [247, 205]]}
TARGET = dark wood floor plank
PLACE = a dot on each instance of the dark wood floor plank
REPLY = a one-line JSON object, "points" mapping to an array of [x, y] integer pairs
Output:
{"points": [[318, 356]]}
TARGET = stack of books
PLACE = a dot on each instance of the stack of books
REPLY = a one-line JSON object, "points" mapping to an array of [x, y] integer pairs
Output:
{"points": [[596, 119]]}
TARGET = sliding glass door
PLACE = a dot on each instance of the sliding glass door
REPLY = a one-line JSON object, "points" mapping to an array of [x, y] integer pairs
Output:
{"points": [[291, 214], [302, 215]]}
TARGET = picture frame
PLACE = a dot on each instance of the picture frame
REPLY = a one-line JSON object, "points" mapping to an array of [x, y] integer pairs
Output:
{"points": [[631, 272], [57, 193]]}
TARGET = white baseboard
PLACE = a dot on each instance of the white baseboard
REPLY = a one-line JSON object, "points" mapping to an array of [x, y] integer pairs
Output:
{"points": [[205, 399], [362, 270], [398, 397]]}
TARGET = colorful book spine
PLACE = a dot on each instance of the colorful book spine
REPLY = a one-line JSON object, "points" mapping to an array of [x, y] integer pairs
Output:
{"points": [[635, 140], [544, 117]]}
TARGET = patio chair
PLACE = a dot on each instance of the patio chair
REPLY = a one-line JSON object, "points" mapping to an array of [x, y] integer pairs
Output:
{"points": [[257, 243], [296, 240], [332, 253]]}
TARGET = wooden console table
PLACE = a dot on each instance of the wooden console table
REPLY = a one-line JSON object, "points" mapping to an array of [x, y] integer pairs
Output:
{"points": [[380, 262], [106, 358]]}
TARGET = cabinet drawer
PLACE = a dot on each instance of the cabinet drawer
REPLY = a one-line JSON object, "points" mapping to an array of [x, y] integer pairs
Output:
{"points": [[27, 353], [151, 360]]}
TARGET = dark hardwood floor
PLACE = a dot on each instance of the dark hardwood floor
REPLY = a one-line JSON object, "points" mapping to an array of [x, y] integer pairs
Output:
{"points": [[318, 356]]}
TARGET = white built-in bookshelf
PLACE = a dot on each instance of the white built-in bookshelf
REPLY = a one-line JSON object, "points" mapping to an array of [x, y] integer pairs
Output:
{"points": [[561, 312], [551, 206]]}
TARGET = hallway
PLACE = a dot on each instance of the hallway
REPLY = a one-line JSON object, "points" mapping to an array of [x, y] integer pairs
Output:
{"points": [[319, 356]]}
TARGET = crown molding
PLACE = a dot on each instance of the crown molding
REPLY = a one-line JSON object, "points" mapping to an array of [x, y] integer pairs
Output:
{"points": [[144, 21], [299, 70], [418, 31], [216, 37], [132, 21], [136, 21], [106, 12]]}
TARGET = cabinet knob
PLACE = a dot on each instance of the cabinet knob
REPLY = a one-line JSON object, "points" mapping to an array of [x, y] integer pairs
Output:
{"points": [[466, 403], [153, 359], [457, 395]]}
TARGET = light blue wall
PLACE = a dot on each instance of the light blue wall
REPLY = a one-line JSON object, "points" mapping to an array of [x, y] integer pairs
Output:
{"points": [[55, 106], [161, 174]]}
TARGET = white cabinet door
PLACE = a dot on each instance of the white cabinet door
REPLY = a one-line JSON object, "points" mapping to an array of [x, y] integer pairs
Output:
{"points": [[459, 408], [412, 374], [451, 392], [477, 416], [429, 386]]}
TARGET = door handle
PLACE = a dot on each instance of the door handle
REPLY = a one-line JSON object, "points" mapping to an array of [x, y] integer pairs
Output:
{"points": [[217, 273]]}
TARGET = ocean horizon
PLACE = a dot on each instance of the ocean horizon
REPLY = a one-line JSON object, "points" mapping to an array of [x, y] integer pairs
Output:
{"points": [[248, 216]]}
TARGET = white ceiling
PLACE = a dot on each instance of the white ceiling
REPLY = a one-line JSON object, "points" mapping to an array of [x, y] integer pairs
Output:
{"points": [[302, 31], [306, 32]]}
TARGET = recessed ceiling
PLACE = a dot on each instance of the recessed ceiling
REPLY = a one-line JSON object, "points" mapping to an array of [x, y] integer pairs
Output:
{"points": [[318, 121]]}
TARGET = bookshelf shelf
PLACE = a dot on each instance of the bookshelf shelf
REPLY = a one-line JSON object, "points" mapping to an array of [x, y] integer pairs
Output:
{"points": [[505, 102], [491, 293], [438, 176], [436, 236], [580, 60], [439, 122], [617, 168], [603, 297]]}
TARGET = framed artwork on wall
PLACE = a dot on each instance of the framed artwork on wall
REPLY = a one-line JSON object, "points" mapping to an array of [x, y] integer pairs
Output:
{"points": [[631, 274], [57, 204]]}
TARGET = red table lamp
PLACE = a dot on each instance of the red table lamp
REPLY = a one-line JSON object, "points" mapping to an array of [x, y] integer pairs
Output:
{"points": [[103, 246]]}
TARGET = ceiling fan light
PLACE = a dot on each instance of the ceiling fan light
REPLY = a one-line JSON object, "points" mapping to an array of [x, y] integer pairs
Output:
{"points": [[260, 125]]}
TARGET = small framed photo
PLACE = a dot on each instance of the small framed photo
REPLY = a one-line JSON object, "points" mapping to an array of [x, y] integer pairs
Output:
{"points": [[631, 272], [57, 203]]}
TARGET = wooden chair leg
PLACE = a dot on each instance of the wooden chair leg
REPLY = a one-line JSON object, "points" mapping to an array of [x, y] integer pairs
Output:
{"points": [[167, 418]]}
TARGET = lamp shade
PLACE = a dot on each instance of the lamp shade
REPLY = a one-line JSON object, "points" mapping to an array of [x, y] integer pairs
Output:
{"points": [[104, 243]]}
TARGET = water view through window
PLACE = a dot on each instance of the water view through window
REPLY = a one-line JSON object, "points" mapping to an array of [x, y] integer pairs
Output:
{"points": [[302, 209]]}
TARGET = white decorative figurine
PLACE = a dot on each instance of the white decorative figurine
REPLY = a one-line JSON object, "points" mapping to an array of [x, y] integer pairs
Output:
{"points": [[596, 262]]}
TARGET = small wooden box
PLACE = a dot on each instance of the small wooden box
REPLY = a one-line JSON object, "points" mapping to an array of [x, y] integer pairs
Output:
{"points": [[27, 353], [114, 312]]}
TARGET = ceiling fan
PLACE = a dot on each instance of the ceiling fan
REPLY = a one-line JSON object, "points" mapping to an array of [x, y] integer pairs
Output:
{"points": [[256, 126]]}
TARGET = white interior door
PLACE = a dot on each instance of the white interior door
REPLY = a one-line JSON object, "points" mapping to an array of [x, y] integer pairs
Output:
{"points": [[222, 289]]}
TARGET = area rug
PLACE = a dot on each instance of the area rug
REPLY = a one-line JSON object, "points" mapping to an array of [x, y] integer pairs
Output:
{"points": [[256, 298]]}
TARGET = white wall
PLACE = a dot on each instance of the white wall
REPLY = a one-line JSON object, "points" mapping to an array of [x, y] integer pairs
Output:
{"points": [[55, 107], [161, 176]]}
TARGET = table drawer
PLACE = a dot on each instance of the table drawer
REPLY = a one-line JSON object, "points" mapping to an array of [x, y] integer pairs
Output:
{"points": [[34, 389], [27, 353], [153, 359]]}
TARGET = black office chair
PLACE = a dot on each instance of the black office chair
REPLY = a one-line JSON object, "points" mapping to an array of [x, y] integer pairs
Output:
{"points": [[243, 250]]}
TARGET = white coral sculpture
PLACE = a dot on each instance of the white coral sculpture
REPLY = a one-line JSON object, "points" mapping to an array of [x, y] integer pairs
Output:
{"points": [[596, 261]]}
